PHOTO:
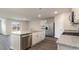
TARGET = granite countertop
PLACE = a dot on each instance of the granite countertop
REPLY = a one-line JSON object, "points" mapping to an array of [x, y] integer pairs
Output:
{"points": [[69, 40]]}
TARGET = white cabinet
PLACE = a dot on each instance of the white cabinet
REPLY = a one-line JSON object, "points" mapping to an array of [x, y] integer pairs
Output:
{"points": [[37, 37], [34, 38], [15, 41], [4, 42], [42, 35]]}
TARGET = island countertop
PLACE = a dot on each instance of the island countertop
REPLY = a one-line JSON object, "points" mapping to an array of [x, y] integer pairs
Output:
{"points": [[25, 32], [69, 40]]}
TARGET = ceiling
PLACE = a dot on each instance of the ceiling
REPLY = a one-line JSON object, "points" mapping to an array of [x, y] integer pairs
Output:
{"points": [[31, 13]]}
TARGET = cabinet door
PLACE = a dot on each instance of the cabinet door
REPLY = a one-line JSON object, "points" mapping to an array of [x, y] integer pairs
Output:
{"points": [[42, 35], [4, 42], [15, 42], [34, 38], [37, 37]]}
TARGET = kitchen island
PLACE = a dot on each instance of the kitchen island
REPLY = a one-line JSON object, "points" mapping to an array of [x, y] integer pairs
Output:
{"points": [[68, 42], [25, 40]]}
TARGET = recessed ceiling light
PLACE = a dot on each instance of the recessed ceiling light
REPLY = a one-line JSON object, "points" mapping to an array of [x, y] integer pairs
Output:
{"points": [[40, 8], [55, 12], [39, 15]]}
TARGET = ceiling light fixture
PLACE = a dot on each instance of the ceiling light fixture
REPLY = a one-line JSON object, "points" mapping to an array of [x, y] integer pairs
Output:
{"points": [[39, 15], [40, 8], [56, 12]]}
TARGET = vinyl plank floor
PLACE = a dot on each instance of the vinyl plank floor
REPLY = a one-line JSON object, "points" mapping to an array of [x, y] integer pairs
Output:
{"points": [[48, 44]]}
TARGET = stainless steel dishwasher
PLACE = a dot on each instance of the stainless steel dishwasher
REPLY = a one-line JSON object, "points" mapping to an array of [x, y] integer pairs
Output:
{"points": [[26, 41]]}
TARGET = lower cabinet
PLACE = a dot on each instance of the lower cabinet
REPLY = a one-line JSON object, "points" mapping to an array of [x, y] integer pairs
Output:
{"points": [[4, 42], [15, 42], [34, 38], [20, 42], [37, 37], [65, 47]]}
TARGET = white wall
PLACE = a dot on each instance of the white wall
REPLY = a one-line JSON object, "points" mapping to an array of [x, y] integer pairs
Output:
{"points": [[68, 24], [37, 24], [0, 27], [59, 24], [8, 26], [23, 25], [63, 23], [3, 26]]}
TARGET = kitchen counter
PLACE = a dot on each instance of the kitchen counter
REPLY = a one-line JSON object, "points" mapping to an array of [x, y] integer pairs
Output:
{"points": [[69, 40], [26, 32], [4, 34], [18, 33], [37, 36]]}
